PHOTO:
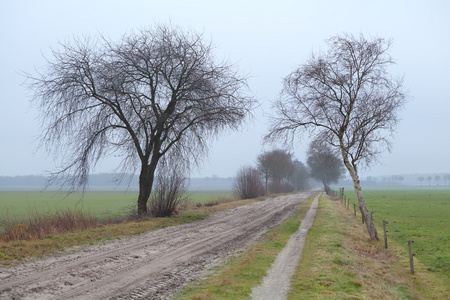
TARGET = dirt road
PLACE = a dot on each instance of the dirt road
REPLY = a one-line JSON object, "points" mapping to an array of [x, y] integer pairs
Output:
{"points": [[153, 265]]}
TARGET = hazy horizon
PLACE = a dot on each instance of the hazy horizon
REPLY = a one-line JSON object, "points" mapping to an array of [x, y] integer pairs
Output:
{"points": [[266, 40]]}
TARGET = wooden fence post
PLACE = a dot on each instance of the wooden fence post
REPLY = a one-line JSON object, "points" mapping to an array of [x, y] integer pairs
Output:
{"points": [[348, 203], [411, 255], [354, 208], [385, 233]]}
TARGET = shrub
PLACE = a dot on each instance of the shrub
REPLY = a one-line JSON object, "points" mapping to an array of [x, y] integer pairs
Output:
{"points": [[169, 192], [248, 183]]}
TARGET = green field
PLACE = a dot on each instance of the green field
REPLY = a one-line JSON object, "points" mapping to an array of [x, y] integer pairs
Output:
{"points": [[102, 204], [418, 214]]}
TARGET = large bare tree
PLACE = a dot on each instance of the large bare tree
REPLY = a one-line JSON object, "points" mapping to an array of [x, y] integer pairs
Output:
{"points": [[156, 94], [346, 97]]}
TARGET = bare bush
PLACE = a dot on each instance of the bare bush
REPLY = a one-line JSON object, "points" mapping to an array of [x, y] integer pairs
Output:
{"points": [[169, 192], [248, 183]]}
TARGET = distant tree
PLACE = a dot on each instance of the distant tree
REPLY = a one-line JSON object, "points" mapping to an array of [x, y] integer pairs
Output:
{"points": [[276, 165], [429, 178], [248, 183], [264, 165], [346, 97], [371, 180], [300, 177], [324, 164], [437, 178], [156, 95], [447, 179], [421, 179], [394, 179]]}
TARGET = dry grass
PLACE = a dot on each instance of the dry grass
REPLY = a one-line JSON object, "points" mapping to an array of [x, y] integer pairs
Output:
{"points": [[42, 225], [15, 250]]}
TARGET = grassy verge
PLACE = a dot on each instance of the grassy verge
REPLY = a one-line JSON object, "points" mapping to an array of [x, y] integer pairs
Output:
{"points": [[235, 279], [419, 214], [19, 250], [339, 262]]}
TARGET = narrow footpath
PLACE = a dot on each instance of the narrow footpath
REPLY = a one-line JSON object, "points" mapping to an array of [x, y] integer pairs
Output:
{"points": [[276, 284]]}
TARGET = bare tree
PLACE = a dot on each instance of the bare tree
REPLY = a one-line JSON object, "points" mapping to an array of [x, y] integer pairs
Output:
{"points": [[300, 177], [276, 165], [346, 97], [157, 94], [324, 164], [437, 178], [263, 165], [446, 179], [421, 179]]}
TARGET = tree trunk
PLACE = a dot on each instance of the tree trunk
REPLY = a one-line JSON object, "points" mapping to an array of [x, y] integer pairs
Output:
{"points": [[327, 189], [144, 190], [325, 185], [361, 203], [267, 179], [146, 179], [362, 207]]}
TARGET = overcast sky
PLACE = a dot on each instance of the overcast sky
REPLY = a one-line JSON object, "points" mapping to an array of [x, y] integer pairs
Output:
{"points": [[267, 40]]}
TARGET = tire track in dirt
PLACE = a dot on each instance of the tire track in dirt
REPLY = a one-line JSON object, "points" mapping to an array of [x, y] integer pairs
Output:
{"points": [[148, 266]]}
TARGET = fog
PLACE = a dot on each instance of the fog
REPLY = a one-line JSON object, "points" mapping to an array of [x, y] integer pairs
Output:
{"points": [[265, 39]]}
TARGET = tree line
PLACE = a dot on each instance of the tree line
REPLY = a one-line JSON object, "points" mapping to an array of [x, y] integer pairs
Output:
{"points": [[445, 179], [277, 171]]}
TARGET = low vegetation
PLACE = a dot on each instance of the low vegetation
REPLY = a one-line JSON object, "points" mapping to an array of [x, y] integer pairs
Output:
{"points": [[37, 233], [39, 225], [103, 205], [338, 262], [419, 214]]}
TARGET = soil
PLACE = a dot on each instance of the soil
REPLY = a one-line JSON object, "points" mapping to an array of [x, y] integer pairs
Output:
{"points": [[277, 282], [154, 265]]}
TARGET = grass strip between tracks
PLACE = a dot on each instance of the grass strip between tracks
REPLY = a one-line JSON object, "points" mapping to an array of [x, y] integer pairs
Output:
{"points": [[21, 250], [235, 279], [338, 262]]}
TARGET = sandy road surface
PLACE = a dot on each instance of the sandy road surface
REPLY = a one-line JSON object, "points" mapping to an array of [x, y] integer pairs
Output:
{"points": [[149, 266]]}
